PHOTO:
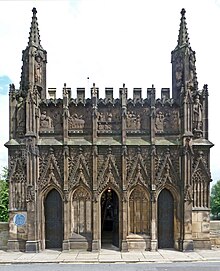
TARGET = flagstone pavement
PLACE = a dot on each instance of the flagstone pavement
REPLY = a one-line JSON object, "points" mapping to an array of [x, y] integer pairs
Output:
{"points": [[109, 256]]}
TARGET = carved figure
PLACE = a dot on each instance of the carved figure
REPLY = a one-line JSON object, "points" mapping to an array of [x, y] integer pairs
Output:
{"points": [[38, 69], [109, 118], [197, 113], [133, 121], [76, 122], [159, 122], [20, 113], [45, 121]]}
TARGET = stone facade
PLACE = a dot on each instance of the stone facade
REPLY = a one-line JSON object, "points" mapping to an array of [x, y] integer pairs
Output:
{"points": [[3, 235], [133, 173]]}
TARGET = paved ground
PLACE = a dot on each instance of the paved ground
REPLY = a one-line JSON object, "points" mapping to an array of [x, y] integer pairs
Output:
{"points": [[109, 256]]}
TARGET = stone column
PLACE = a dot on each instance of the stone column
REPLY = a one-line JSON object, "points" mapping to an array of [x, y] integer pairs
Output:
{"points": [[153, 203], [124, 209], [96, 239], [186, 240], [186, 117], [66, 203], [32, 243]]}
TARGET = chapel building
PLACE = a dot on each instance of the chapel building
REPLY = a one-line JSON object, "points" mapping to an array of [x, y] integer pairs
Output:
{"points": [[85, 173]]}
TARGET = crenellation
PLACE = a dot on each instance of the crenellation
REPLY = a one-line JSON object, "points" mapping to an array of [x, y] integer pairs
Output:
{"points": [[165, 94], [109, 94], [80, 95], [137, 94], [52, 93]]}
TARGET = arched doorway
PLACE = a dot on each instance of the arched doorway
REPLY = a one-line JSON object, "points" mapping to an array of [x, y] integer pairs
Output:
{"points": [[53, 220], [165, 211], [109, 218]]}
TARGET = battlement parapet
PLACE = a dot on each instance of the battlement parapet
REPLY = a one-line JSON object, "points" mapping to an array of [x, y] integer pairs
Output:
{"points": [[109, 96]]}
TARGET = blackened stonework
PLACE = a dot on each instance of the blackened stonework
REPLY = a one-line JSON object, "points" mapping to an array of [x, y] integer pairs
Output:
{"points": [[92, 172]]}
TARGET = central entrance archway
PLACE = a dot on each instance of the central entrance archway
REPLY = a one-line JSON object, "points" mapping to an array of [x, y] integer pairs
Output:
{"points": [[165, 209], [109, 218], [53, 220]]}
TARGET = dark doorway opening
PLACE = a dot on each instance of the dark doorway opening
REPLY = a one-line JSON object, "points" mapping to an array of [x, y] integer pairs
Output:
{"points": [[165, 219], [53, 220], [109, 218]]}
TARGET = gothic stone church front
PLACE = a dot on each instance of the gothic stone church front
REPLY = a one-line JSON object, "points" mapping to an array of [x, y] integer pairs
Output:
{"points": [[91, 172]]}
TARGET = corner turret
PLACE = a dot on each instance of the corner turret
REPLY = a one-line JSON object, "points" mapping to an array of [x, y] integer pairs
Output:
{"points": [[34, 59], [183, 62]]}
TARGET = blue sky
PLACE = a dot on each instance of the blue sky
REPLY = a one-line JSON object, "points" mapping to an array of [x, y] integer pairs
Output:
{"points": [[112, 42], [4, 83]]}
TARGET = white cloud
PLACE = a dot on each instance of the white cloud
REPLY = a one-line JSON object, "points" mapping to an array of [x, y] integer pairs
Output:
{"points": [[115, 42]]}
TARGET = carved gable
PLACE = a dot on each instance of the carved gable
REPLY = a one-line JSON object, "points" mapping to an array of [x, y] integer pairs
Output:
{"points": [[201, 166], [50, 173], [138, 172], [80, 172], [109, 174], [166, 171]]}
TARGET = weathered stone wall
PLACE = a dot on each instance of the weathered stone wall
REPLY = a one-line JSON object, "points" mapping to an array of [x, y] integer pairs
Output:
{"points": [[201, 228], [3, 235], [215, 232]]}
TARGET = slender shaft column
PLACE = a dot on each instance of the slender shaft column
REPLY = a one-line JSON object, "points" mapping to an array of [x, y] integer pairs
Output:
{"points": [[124, 209], [66, 202], [186, 241], [32, 243], [153, 203], [96, 239]]}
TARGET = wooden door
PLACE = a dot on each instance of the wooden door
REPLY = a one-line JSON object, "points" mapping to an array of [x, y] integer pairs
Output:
{"points": [[53, 220], [165, 219]]}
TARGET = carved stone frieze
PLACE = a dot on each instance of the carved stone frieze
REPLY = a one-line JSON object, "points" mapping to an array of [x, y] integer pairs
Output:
{"points": [[108, 120], [133, 121], [167, 120], [76, 122], [46, 121]]}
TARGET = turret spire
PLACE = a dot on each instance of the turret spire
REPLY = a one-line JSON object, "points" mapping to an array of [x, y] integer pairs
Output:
{"points": [[183, 38], [34, 59], [183, 62], [34, 37]]}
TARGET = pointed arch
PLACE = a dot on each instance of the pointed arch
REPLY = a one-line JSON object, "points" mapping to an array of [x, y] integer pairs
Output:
{"points": [[53, 211], [165, 217], [200, 188], [109, 203], [81, 211], [200, 182]]}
